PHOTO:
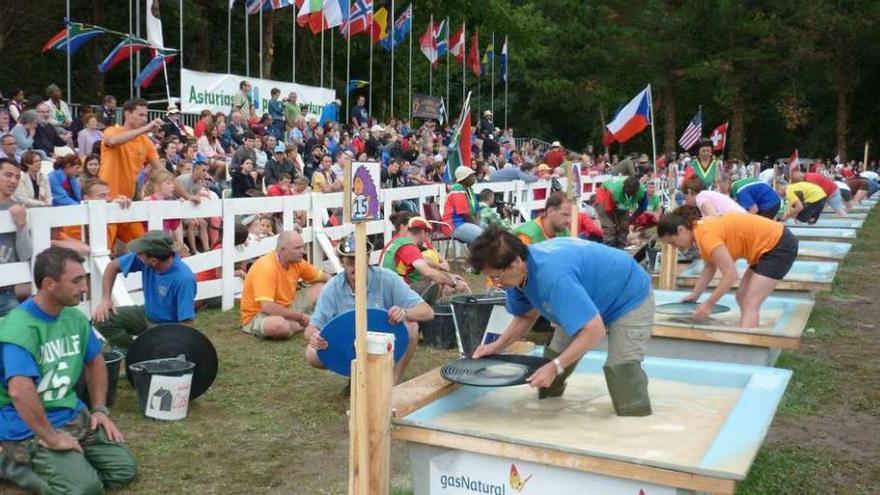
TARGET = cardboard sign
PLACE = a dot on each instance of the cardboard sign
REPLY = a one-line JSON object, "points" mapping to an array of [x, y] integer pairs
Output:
{"points": [[363, 195]]}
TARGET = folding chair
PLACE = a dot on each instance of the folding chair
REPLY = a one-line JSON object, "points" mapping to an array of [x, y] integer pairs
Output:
{"points": [[442, 231]]}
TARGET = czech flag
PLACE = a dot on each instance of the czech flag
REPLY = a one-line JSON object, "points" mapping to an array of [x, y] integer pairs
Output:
{"points": [[125, 49], [630, 120]]}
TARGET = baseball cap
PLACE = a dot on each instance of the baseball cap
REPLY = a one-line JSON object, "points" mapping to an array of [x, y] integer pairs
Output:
{"points": [[556, 144], [542, 167], [419, 223], [463, 172], [200, 158], [153, 243], [346, 246], [172, 108], [280, 148], [643, 158]]}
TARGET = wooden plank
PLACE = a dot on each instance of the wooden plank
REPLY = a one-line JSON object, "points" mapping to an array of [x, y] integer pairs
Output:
{"points": [[422, 390], [579, 462], [726, 337], [782, 285]]}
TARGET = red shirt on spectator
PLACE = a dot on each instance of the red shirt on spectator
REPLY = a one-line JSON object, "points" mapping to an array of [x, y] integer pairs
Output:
{"points": [[554, 157], [820, 180]]}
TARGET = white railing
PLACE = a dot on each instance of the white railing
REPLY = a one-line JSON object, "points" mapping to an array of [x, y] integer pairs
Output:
{"points": [[95, 216]]}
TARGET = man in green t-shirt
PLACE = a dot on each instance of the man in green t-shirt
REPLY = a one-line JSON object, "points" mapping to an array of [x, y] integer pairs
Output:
{"points": [[291, 112], [51, 443], [554, 222], [617, 201]]}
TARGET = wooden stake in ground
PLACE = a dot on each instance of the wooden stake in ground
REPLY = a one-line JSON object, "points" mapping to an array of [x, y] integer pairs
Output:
{"points": [[573, 186], [370, 451], [669, 255], [865, 161]]}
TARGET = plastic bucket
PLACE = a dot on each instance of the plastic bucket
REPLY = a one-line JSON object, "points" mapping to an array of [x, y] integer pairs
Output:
{"points": [[163, 387], [439, 333], [113, 359], [471, 313]]}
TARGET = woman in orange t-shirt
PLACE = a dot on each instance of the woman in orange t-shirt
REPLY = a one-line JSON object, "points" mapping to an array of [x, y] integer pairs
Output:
{"points": [[769, 247]]}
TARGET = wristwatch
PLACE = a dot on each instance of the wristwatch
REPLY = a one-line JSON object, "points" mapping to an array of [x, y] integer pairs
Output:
{"points": [[101, 409], [559, 368]]}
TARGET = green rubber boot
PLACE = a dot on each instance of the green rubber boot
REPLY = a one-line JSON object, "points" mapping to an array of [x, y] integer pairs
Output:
{"points": [[22, 475], [557, 388], [628, 387]]}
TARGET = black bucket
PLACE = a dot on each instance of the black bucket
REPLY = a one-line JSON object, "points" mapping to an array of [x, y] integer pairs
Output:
{"points": [[113, 359], [472, 314], [163, 387], [439, 333]]}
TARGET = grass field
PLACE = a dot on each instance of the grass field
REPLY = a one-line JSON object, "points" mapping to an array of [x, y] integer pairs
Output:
{"points": [[270, 424]]}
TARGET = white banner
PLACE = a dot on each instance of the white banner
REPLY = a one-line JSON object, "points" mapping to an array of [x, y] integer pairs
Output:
{"points": [[467, 473], [211, 91]]}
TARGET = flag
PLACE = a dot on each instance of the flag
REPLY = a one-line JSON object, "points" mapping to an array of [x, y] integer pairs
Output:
{"points": [[837, 158], [442, 111], [231, 4], [473, 60], [402, 27], [255, 6], [502, 62], [460, 144], [629, 120], [154, 67], [356, 84], [360, 19], [79, 34], [488, 56], [428, 43], [793, 162], [719, 137], [125, 49], [457, 44], [380, 25], [154, 24], [441, 33], [323, 14], [693, 132]]}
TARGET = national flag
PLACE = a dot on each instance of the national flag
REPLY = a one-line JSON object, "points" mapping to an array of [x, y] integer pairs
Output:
{"points": [[837, 158], [79, 34], [442, 111], [402, 27], [630, 120], [502, 61], [380, 25], [489, 55], [360, 19], [154, 67], [457, 44], [356, 84], [473, 60], [460, 144], [719, 137], [441, 33], [428, 43], [154, 25], [255, 6], [231, 4], [125, 49], [793, 162], [323, 14], [693, 132]]}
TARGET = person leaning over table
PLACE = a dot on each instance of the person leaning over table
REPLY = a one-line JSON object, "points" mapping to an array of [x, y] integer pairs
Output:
{"points": [[588, 290]]}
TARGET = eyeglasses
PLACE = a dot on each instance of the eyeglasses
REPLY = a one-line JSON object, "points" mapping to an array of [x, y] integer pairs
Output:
{"points": [[496, 279]]}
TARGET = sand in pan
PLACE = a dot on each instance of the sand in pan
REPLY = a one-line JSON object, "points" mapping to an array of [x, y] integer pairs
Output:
{"points": [[685, 421], [767, 320]]}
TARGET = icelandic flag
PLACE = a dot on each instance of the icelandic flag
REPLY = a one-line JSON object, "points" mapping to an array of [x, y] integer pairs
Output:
{"points": [[79, 34], [323, 14], [402, 27], [360, 18], [152, 69], [125, 49], [630, 120], [502, 62], [442, 34]]}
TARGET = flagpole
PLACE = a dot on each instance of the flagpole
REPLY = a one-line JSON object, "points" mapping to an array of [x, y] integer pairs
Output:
{"points": [[430, 66], [137, 28], [322, 56], [67, 47], [492, 61], [229, 40], [506, 79], [345, 119], [247, 42], [261, 42], [180, 45], [392, 21], [653, 136], [410, 70], [447, 63], [463, 61], [332, 53], [370, 88], [293, 44], [130, 58]]}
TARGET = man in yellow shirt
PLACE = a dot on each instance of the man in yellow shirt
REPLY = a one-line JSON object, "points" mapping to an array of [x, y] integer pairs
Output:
{"points": [[269, 292], [805, 201]]}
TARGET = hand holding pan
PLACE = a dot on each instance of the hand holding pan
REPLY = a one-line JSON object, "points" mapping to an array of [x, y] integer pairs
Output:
{"points": [[497, 370]]}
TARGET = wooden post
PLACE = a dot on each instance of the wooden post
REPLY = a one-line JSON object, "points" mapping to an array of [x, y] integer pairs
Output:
{"points": [[668, 267], [865, 162], [573, 186]]}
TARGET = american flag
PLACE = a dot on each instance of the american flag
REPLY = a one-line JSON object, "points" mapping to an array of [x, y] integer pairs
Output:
{"points": [[360, 19], [693, 132]]}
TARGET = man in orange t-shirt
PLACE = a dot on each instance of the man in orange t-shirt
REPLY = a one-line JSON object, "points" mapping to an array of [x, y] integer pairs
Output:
{"points": [[125, 150], [269, 291]]}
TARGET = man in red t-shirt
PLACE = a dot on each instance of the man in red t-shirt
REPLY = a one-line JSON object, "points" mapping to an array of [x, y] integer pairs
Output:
{"points": [[835, 200], [282, 187]]}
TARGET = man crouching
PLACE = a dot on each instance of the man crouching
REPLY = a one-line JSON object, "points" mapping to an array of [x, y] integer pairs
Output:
{"points": [[50, 442]]}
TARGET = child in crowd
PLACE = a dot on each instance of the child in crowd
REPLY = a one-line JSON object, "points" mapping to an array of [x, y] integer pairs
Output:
{"points": [[488, 214], [282, 187], [161, 188], [244, 180], [91, 167]]}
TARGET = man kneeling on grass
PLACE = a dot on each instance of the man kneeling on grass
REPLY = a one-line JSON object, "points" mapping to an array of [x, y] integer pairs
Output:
{"points": [[50, 442], [385, 290]]}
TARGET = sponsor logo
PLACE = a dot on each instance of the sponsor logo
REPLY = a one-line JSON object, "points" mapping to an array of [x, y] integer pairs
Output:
{"points": [[516, 482], [471, 484]]}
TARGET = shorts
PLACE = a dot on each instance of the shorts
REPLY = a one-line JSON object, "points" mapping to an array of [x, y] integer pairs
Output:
{"points": [[846, 195], [255, 326], [770, 212], [811, 211], [835, 200], [777, 262]]}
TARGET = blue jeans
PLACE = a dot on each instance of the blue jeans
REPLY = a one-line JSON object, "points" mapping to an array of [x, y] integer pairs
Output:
{"points": [[467, 232], [8, 301]]}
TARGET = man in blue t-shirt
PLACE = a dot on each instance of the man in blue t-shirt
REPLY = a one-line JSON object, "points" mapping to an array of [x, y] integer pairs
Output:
{"points": [[588, 290], [169, 290], [52, 443], [753, 195]]}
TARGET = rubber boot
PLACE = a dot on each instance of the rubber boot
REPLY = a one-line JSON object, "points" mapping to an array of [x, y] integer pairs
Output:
{"points": [[557, 388], [22, 475], [628, 387]]}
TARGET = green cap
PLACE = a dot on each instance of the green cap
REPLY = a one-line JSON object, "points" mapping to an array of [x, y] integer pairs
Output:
{"points": [[154, 243]]}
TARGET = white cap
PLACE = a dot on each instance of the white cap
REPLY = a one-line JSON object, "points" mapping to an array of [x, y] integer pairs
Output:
{"points": [[463, 172], [555, 144]]}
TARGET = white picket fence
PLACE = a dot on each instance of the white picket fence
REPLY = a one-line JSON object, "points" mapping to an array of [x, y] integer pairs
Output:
{"points": [[319, 239]]}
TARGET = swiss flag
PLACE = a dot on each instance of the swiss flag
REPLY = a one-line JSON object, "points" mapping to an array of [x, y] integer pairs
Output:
{"points": [[719, 137]]}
